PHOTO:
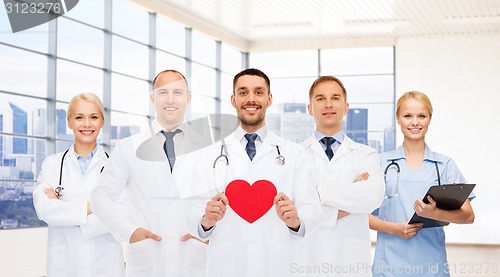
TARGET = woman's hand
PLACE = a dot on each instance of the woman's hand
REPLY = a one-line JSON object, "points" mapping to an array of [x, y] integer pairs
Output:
{"points": [[425, 210], [51, 194], [405, 230]]}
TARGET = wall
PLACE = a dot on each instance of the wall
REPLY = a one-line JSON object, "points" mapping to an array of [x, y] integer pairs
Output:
{"points": [[461, 75], [23, 252]]}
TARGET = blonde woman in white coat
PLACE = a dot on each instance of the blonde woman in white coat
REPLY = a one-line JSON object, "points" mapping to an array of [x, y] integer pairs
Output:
{"points": [[78, 244]]}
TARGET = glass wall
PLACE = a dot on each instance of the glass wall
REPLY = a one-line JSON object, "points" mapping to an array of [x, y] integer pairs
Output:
{"points": [[367, 73], [97, 48], [84, 51]]}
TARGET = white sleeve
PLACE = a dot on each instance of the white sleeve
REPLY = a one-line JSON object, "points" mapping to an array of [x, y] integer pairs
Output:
{"points": [[364, 196], [106, 198], [56, 212], [305, 196]]}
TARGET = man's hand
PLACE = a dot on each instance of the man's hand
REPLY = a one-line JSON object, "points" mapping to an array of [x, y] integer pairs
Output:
{"points": [[141, 234], [214, 211], [188, 236], [405, 230], [342, 214], [89, 210], [363, 177], [285, 208], [51, 194], [425, 210]]}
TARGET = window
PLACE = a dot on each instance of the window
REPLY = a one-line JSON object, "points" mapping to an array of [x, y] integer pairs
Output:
{"points": [[367, 73], [129, 95], [90, 12], [168, 61], [203, 49], [79, 42], [35, 38], [124, 125], [136, 29], [73, 78], [203, 80], [23, 72], [277, 64], [226, 92], [231, 59], [130, 57], [357, 61], [170, 36]]}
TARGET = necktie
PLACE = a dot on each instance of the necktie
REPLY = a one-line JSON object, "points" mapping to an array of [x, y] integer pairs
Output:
{"points": [[328, 141], [168, 146], [251, 145]]}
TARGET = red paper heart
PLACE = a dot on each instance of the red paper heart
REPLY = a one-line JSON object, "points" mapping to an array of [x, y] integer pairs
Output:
{"points": [[251, 202]]}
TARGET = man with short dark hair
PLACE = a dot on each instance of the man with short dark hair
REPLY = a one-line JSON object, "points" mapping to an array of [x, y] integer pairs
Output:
{"points": [[265, 245]]}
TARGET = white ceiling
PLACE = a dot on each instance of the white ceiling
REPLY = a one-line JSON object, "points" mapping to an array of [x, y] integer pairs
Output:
{"points": [[256, 25]]}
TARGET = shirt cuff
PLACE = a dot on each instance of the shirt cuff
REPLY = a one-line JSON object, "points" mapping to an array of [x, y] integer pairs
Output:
{"points": [[204, 234], [300, 233]]}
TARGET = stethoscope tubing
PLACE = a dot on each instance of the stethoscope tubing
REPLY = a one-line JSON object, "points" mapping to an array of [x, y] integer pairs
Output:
{"points": [[60, 189], [398, 171]]}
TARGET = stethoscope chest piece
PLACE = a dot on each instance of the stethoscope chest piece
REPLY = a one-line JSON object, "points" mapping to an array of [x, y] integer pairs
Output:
{"points": [[280, 160], [59, 191]]}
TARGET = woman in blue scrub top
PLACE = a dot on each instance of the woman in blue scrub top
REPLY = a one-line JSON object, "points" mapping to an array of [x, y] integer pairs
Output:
{"points": [[408, 249]]}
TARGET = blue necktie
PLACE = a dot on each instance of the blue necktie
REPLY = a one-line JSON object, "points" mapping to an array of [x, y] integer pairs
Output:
{"points": [[168, 146], [328, 141], [251, 145]]}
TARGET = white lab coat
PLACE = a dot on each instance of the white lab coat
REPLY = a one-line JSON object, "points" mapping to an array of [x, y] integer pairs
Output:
{"points": [[266, 247], [343, 247], [78, 244], [155, 200]]}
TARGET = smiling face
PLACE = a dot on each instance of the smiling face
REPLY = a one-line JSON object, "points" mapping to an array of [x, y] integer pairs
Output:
{"points": [[170, 99], [328, 106], [413, 117], [251, 98], [86, 121]]}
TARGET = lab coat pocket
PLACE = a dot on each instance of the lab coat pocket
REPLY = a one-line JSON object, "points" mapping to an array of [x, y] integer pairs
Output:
{"points": [[140, 257], [222, 254], [355, 259], [281, 257], [196, 258], [56, 260]]}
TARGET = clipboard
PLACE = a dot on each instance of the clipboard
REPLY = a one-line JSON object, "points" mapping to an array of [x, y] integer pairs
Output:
{"points": [[447, 197]]}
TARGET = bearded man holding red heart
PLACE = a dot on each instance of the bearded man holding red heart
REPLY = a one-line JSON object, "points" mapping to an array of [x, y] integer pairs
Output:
{"points": [[247, 236]]}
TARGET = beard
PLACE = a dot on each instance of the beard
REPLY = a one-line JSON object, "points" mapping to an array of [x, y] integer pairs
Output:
{"points": [[252, 122]]}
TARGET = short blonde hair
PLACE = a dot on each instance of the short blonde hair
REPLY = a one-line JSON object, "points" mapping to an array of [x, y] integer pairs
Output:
{"points": [[323, 79], [417, 95], [89, 97]]}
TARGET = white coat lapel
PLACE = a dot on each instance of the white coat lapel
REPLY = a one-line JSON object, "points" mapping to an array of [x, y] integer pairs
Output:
{"points": [[98, 158], [151, 149], [315, 146], [345, 148], [238, 158], [268, 145]]}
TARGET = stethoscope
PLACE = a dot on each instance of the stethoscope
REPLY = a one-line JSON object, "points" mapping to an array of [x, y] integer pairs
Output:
{"points": [[60, 189], [398, 171], [224, 158]]}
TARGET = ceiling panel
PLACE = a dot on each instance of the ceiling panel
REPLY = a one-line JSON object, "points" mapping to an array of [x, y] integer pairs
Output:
{"points": [[261, 24]]}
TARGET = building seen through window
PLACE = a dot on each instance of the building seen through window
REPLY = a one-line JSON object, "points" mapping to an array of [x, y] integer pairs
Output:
{"points": [[37, 84]]}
